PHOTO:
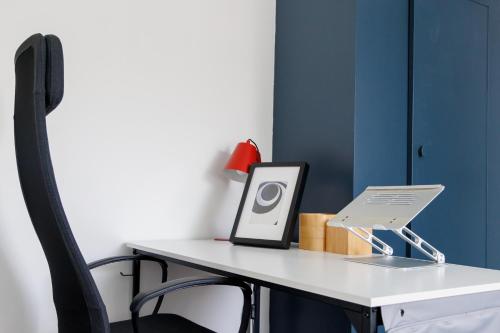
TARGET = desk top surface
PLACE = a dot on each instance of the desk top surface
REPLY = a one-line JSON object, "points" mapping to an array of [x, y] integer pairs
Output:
{"points": [[329, 274]]}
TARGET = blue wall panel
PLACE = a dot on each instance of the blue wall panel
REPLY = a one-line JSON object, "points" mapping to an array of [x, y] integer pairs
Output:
{"points": [[381, 104], [493, 132], [314, 122], [314, 96]]}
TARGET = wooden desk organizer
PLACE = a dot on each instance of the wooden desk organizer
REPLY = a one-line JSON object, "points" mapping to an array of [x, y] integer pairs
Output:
{"points": [[314, 235], [312, 231]]}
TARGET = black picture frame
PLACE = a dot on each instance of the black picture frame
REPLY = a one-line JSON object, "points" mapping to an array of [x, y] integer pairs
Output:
{"points": [[286, 239]]}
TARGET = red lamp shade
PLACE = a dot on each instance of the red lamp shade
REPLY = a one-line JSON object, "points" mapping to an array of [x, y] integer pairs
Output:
{"points": [[244, 155]]}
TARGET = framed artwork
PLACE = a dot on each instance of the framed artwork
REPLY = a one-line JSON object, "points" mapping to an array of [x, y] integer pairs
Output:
{"points": [[269, 204]]}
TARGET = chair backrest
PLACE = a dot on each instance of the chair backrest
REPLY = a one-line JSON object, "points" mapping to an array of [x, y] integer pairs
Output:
{"points": [[39, 89]]}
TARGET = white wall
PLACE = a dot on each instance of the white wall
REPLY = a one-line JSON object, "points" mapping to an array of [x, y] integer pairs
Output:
{"points": [[157, 94]]}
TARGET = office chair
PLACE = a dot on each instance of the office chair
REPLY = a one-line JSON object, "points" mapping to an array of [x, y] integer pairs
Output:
{"points": [[79, 307]]}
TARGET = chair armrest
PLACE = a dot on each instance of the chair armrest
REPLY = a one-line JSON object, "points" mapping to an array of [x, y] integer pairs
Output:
{"points": [[184, 283], [136, 257]]}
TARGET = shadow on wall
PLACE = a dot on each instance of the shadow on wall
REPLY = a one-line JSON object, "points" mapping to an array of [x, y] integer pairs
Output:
{"points": [[15, 301], [207, 220]]}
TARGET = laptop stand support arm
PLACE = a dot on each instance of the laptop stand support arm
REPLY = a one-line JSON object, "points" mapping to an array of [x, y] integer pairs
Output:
{"points": [[404, 233], [420, 244], [371, 239]]}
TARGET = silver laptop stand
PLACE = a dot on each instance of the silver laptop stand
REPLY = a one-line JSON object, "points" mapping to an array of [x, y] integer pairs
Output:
{"points": [[389, 208]]}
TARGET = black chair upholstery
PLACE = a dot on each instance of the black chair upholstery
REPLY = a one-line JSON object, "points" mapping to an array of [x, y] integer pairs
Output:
{"points": [[79, 307], [160, 323]]}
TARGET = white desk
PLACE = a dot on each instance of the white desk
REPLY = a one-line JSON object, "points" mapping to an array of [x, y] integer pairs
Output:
{"points": [[358, 288]]}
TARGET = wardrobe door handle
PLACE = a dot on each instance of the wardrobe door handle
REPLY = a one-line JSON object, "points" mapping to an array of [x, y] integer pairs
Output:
{"points": [[420, 151]]}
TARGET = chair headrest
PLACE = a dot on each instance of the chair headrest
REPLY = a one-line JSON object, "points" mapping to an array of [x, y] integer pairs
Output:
{"points": [[49, 54], [54, 74]]}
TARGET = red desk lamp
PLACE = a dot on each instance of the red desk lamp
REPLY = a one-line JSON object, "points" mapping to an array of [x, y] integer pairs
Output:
{"points": [[244, 155]]}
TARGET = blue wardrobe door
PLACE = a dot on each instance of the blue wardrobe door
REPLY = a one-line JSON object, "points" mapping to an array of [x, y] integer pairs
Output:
{"points": [[450, 105]]}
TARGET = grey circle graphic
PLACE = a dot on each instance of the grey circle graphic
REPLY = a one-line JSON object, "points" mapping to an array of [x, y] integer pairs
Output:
{"points": [[268, 196]]}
